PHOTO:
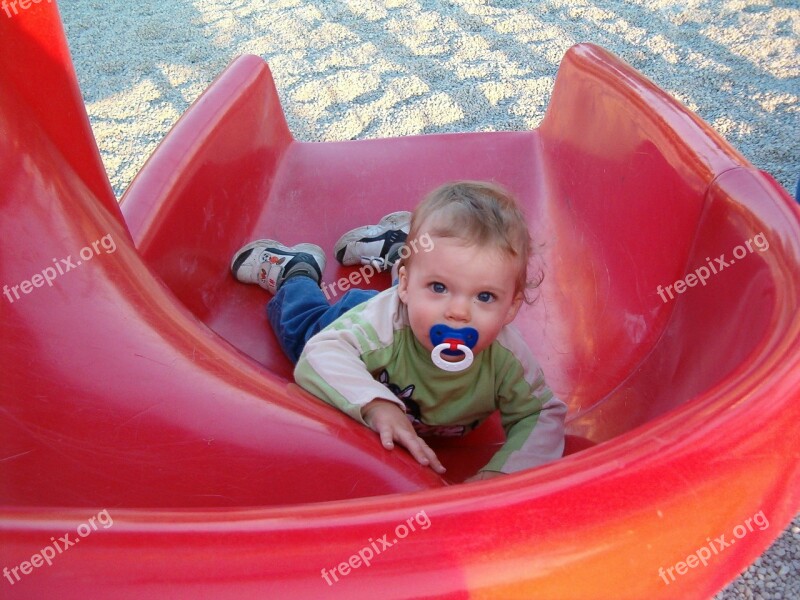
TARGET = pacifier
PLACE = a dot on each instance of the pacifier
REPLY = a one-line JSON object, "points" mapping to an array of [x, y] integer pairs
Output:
{"points": [[452, 342]]}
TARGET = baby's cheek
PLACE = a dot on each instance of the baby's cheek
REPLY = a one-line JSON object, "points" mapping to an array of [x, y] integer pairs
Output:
{"points": [[419, 329], [487, 332]]}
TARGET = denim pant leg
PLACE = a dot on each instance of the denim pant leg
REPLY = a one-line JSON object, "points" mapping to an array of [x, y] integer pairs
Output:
{"points": [[300, 309]]}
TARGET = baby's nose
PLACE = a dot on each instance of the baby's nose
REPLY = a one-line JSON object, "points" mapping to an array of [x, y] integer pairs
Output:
{"points": [[458, 309]]}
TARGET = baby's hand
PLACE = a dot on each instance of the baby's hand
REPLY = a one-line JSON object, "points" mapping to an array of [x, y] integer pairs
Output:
{"points": [[389, 421]]}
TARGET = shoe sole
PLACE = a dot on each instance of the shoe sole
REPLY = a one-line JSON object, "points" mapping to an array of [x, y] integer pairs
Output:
{"points": [[391, 221], [312, 249]]}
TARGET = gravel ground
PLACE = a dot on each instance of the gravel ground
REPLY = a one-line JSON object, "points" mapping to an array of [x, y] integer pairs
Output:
{"points": [[378, 68]]}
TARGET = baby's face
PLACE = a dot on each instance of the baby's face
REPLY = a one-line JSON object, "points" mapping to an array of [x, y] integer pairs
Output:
{"points": [[461, 286]]}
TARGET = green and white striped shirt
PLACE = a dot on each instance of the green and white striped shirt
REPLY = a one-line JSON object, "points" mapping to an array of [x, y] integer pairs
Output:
{"points": [[370, 352]]}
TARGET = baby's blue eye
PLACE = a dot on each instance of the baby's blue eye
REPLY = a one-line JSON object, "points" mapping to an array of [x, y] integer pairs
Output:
{"points": [[486, 297], [438, 288]]}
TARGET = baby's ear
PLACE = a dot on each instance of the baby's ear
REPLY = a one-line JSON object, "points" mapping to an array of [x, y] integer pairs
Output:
{"points": [[514, 308], [402, 284]]}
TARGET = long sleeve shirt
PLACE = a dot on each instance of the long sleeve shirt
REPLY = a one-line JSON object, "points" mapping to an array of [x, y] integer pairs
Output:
{"points": [[371, 353]]}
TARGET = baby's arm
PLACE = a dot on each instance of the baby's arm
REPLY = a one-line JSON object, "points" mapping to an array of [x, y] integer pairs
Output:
{"points": [[533, 440], [391, 424], [533, 419], [331, 368]]}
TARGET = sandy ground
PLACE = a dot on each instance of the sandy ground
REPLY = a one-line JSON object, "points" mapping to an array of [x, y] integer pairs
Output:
{"points": [[378, 68]]}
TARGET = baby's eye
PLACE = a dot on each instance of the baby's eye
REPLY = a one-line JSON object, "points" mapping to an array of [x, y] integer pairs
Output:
{"points": [[486, 297], [438, 288]]}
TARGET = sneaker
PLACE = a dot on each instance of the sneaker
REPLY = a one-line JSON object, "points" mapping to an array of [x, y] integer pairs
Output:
{"points": [[377, 245], [269, 263]]}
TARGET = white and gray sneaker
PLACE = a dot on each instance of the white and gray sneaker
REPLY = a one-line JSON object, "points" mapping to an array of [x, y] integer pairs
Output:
{"points": [[269, 263], [377, 245]]}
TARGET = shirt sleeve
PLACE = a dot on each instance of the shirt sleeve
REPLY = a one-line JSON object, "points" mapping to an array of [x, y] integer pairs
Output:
{"points": [[331, 365], [532, 417]]}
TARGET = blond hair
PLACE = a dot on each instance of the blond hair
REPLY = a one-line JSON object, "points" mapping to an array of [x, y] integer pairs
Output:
{"points": [[480, 213]]}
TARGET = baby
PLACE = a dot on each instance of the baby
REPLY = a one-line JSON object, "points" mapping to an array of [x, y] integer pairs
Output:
{"points": [[435, 354]]}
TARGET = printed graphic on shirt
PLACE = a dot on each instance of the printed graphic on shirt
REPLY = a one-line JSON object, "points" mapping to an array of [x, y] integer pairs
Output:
{"points": [[414, 413]]}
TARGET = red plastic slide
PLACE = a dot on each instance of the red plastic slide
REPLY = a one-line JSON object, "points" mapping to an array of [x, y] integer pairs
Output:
{"points": [[153, 445]]}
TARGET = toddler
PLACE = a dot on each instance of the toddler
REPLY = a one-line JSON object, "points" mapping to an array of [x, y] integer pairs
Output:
{"points": [[436, 353]]}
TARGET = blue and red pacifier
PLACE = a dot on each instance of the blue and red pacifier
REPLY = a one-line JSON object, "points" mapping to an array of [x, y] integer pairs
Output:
{"points": [[452, 342]]}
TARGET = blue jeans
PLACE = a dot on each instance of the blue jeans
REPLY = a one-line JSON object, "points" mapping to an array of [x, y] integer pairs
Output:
{"points": [[300, 309]]}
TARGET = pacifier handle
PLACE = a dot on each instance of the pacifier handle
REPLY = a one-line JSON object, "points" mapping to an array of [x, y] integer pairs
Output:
{"points": [[452, 366], [451, 341]]}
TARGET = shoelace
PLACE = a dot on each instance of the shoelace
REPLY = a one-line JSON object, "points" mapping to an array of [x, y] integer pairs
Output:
{"points": [[377, 262]]}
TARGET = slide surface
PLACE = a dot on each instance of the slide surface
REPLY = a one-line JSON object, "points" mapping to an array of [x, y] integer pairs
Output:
{"points": [[152, 442]]}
